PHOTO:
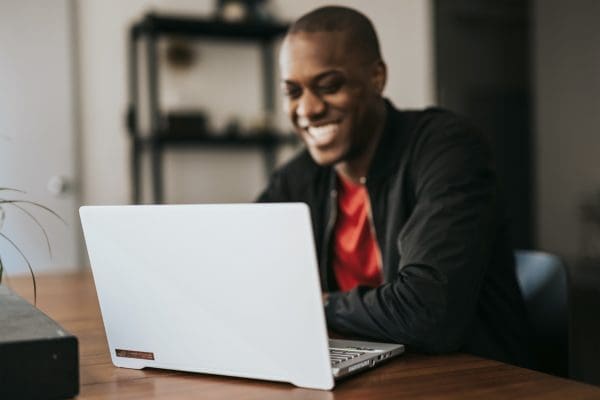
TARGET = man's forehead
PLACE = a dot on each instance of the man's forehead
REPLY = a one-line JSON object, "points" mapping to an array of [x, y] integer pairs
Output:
{"points": [[323, 49]]}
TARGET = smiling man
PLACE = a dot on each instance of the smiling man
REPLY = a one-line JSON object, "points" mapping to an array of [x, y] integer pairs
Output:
{"points": [[410, 234]]}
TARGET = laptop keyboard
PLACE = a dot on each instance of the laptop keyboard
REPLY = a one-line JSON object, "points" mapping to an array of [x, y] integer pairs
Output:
{"points": [[338, 355]]}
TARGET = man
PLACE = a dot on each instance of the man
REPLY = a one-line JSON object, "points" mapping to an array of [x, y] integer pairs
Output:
{"points": [[411, 240]]}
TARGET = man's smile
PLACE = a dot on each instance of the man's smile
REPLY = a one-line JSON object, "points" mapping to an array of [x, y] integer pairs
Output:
{"points": [[320, 135]]}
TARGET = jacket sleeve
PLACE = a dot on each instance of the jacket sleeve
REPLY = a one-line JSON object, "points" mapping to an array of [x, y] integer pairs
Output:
{"points": [[444, 247], [276, 191]]}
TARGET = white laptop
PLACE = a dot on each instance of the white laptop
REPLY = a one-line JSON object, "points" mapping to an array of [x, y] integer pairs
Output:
{"points": [[218, 289]]}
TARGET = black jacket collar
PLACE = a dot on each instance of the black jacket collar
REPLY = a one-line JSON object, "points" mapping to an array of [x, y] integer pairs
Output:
{"points": [[384, 160]]}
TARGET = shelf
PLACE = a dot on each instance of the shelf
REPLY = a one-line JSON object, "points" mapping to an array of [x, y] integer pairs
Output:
{"points": [[208, 28], [151, 27], [255, 140]]}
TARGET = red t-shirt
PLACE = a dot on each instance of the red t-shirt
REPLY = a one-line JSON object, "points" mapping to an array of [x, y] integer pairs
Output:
{"points": [[356, 254]]}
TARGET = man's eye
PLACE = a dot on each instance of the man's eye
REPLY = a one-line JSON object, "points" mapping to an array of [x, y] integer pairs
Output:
{"points": [[330, 87], [292, 92]]}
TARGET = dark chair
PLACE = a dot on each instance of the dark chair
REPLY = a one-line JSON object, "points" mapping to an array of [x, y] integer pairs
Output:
{"points": [[542, 278]]}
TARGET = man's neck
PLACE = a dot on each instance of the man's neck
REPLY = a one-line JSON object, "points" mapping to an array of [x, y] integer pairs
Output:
{"points": [[356, 169]]}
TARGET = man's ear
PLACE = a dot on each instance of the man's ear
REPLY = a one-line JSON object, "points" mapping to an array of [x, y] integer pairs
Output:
{"points": [[379, 76]]}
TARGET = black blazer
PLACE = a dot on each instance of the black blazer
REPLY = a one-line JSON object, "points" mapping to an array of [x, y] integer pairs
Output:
{"points": [[449, 278]]}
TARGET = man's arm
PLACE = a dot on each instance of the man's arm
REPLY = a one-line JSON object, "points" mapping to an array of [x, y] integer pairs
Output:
{"points": [[445, 247], [276, 191]]}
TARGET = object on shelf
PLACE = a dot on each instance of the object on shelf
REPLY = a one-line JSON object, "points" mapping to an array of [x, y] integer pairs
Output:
{"points": [[186, 123], [243, 10], [180, 54], [233, 127]]}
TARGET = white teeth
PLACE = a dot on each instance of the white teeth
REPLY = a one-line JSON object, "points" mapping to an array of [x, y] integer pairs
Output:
{"points": [[303, 122], [322, 133]]}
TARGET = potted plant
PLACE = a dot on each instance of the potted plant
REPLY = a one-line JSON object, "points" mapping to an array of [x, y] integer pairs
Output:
{"points": [[19, 205]]}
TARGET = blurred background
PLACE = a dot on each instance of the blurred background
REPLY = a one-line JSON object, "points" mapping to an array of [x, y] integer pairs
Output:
{"points": [[90, 89]]}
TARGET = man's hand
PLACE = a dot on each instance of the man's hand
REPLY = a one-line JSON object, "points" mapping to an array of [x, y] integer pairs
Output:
{"points": [[325, 298]]}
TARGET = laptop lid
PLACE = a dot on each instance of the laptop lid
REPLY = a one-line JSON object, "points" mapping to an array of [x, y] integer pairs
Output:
{"points": [[221, 289]]}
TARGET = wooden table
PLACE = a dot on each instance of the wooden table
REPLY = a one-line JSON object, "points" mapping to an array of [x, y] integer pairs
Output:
{"points": [[71, 300]]}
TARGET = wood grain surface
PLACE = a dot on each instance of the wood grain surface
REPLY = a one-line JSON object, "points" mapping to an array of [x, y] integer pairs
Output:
{"points": [[71, 301]]}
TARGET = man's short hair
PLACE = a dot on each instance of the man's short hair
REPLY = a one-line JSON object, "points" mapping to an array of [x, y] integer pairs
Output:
{"points": [[342, 19]]}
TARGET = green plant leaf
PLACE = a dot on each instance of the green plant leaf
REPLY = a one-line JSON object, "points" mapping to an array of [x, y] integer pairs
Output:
{"points": [[11, 189], [23, 209], [13, 202], [28, 266]]}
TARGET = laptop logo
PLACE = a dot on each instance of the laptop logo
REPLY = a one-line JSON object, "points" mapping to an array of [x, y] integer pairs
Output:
{"points": [[143, 355]]}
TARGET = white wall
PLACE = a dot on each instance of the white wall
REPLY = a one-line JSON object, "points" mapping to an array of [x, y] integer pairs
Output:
{"points": [[567, 80], [37, 134], [231, 74]]}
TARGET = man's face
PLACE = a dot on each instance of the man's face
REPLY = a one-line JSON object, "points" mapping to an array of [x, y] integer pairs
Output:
{"points": [[330, 94]]}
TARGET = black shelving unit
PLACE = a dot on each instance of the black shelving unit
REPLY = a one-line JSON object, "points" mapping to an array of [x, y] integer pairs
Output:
{"points": [[151, 28]]}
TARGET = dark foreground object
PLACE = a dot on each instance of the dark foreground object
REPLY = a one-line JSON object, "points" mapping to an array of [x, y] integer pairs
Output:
{"points": [[38, 358]]}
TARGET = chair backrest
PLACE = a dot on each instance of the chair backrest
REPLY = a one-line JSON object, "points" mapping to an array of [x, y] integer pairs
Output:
{"points": [[542, 278]]}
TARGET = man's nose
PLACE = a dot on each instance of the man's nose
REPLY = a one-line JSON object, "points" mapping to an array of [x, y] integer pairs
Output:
{"points": [[310, 106]]}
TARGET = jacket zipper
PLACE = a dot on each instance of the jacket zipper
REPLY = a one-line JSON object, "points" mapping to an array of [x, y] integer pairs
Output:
{"points": [[373, 230], [325, 259]]}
